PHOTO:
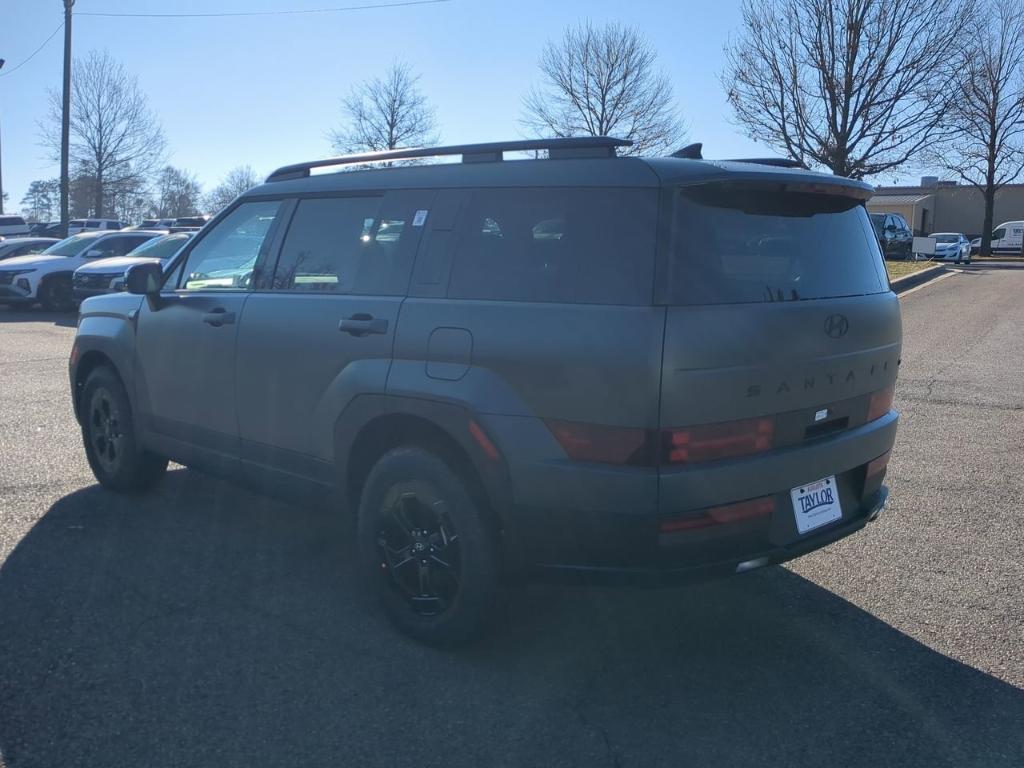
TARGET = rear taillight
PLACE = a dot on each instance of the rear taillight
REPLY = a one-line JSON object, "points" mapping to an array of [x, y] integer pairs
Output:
{"points": [[709, 442], [649, 448], [881, 402], [728, 514], [603, 444], [877, 467]]}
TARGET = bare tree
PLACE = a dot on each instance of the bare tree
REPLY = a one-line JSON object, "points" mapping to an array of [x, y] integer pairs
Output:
{"points": [[237, 181], [387, 112], [176, 193], [986, 148], [602, 81], [115, 137], [857, 86]]}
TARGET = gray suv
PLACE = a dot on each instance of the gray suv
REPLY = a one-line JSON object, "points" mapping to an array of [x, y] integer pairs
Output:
{"points": [[585, 365]]}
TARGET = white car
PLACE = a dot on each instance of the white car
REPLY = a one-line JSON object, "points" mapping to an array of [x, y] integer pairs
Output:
{"points": [[88, 225], [952, 246], [108, 275], [45, 278], [13, 226]]}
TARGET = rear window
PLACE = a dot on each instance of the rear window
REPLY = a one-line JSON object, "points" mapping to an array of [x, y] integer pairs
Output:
{"points": [[589, 246], [946, 238], [735, 245]]}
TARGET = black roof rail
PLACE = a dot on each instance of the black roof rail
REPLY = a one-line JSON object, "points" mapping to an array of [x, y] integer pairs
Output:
{"points": [[778, 162], [557, 149]]}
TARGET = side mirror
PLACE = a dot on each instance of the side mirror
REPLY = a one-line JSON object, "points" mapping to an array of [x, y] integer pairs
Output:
{"points": [[144, 279]]}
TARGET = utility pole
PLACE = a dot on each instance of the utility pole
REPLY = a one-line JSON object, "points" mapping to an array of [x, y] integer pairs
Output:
{"points": [[1, 166], [65, 119]]}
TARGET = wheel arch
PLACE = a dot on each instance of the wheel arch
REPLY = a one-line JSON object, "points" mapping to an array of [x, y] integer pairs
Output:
{"points": [[374, 424]]}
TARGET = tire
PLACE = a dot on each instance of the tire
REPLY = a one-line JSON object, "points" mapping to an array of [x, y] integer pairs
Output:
{"points": [[428, 549], [56, 295], [118, 462]]}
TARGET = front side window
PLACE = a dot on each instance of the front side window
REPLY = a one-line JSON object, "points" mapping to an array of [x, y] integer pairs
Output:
{"points": [[344, 245], [226, 257], [999, 234], [733, 245]]}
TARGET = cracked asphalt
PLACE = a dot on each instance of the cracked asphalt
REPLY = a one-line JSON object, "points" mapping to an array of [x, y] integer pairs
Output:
{"points": [[207, 626]]}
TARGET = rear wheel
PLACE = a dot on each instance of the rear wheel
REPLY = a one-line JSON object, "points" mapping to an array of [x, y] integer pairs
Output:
{"points": [[56, 295], [108, 431], [428, 551]]}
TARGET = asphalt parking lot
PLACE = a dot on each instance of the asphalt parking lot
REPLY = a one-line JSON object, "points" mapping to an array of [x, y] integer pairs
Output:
{"points": [[206, 626]]}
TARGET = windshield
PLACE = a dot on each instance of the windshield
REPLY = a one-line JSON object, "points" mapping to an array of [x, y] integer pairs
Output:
{"points": [[946, 238], [733, 245], [71, 246], [162, 247]]}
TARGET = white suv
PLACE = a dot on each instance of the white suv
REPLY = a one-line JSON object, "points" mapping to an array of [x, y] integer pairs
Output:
{"points": [[45, 277], [88, 225]]}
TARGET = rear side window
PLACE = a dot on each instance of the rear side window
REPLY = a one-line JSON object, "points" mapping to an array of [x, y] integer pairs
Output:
{"points": [[732, 245], [345, 245], [589, 246]]}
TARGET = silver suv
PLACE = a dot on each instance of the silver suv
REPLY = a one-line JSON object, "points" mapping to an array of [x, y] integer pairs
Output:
{"points": [[583, 365]]}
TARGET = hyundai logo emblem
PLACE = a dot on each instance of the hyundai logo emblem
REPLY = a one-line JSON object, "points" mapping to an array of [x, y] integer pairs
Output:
{"points": [[836, 326]]}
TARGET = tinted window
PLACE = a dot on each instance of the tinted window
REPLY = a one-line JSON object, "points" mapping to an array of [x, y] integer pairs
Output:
{"points": [[112, 246], [737, 245], [344, 245], [27, 249], [946, 238], [225, 258], [70, 246], [591, 246], [901, 223], [999, 234], [10, 221], [161, 247]]}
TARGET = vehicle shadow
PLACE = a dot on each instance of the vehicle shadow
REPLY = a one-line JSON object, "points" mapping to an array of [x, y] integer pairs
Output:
{"points": [[20, 315], [204, 625]]}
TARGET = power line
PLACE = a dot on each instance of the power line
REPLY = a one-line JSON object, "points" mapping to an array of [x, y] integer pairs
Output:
{"points": [[262, 13], [12, 70]]}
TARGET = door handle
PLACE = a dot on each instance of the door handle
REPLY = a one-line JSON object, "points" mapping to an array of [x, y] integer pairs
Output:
{"points": [[218, 317], [362, 324]]}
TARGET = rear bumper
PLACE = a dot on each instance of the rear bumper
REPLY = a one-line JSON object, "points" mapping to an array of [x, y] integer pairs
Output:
{"points": [[594, 522], [740, 561]]}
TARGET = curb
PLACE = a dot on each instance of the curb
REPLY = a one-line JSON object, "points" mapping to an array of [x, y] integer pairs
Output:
{"points": [[901, 284]]}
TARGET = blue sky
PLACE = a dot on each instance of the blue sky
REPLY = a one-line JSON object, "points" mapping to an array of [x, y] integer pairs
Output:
{"points": [[265, 90]]}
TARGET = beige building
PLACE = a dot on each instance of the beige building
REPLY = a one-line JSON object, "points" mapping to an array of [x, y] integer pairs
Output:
{"points": [[944, 206]]}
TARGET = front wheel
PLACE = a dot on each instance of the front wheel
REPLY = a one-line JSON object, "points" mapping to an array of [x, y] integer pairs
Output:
{"points": [[108, 431], [428, 550]]}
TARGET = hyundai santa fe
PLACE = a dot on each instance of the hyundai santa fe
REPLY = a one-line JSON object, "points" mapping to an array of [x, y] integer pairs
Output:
{"points": [[585, 365]]}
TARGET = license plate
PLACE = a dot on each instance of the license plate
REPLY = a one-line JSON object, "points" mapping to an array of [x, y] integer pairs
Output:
{"points": [[816, 504]]}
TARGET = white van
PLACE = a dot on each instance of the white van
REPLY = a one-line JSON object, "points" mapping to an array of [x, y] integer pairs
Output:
{"points": [[88, 225], [12, 226], [1008, 237]]}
